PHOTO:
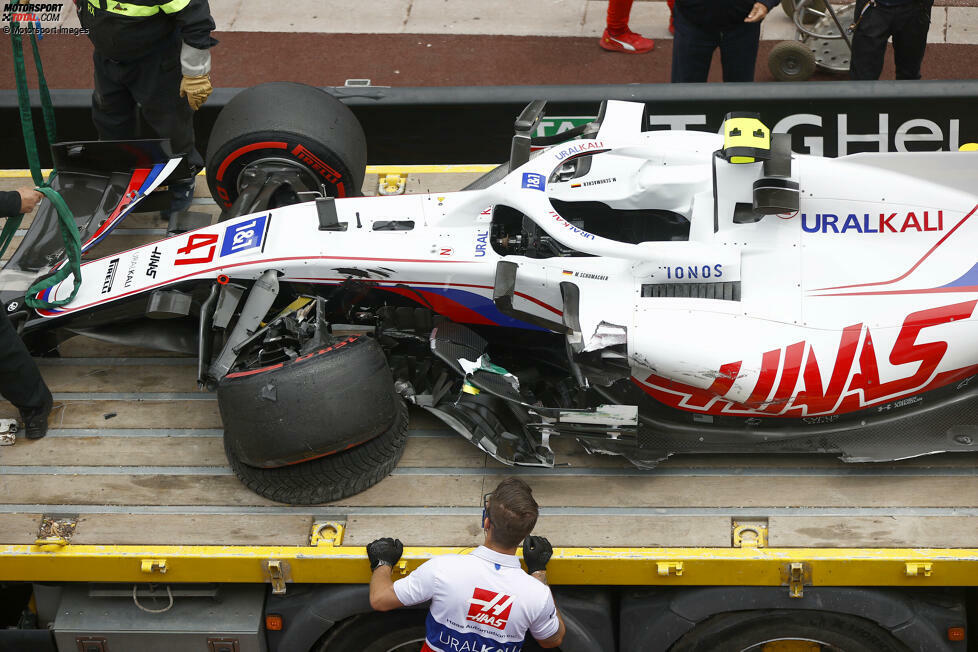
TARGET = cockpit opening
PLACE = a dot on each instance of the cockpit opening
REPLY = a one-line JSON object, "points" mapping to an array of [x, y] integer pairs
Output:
{"points": [[513, 233]]}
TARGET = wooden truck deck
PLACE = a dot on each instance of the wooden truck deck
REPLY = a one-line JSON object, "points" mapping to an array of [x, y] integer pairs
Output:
{"points": [[135, 456]]}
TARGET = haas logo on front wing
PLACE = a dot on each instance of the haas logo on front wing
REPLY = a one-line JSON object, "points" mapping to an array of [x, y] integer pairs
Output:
{"points": [[489, 608]]}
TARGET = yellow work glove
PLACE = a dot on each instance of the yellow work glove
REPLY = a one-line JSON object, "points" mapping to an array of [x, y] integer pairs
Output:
{"points": [[196, 90]]}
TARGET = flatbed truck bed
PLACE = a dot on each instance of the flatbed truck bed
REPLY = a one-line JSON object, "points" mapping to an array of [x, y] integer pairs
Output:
{"points": [[132, 485]]}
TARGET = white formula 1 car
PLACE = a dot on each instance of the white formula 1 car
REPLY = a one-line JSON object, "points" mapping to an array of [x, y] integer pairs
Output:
{"points": [[646, 293]]}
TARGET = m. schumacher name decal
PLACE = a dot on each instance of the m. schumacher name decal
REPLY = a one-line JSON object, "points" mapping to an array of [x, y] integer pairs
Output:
{"points": [[854, 382]]}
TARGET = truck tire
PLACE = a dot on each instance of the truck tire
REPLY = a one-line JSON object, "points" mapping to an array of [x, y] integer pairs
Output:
{"points": [[751, 630], [330, 477], [396, 631], [285, 123]]}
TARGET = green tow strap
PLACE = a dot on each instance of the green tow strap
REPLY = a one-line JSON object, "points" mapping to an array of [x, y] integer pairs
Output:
{"points": [[66, 221]]}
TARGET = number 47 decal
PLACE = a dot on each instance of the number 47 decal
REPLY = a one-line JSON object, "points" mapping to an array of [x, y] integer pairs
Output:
{"points": [[194, 242]]}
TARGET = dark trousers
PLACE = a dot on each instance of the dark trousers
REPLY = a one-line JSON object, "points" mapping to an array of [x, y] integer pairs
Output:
{"points": [[694, 44], [20, 379], [154, 83], [906, 23]]}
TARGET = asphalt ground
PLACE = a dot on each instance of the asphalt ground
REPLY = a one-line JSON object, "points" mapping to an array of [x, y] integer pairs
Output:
{"points": [[246, 58]]}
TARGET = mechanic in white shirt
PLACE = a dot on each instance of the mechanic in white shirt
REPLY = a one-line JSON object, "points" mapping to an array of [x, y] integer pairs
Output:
{"points": [[482, 601]]}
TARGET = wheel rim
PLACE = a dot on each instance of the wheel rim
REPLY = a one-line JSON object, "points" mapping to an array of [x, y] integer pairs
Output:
{"points": [[791, 65], [792, 644], [308, 177], [414, 645]]}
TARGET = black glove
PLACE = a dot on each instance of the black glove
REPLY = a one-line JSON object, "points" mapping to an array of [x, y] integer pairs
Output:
{"points": [[537, 551], [384, 552]]}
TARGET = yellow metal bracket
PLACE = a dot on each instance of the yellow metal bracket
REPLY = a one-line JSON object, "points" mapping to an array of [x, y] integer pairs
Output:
{"points": [[666, 568], [277, 573], [749, 534], [392, 183], [153, 566], [918, 569], [796, 575], [327, 534]]}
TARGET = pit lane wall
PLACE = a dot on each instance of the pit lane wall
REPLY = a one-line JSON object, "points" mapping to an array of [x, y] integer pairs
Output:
{"points": [[464, 124]]}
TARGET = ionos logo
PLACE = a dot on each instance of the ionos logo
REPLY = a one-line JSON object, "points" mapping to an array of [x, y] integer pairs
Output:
{"points": [[489, 608]]}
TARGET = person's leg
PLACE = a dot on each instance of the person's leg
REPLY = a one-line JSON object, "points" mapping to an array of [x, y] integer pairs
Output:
{"points": [[869, 44], [157, 90], [113, 108], [170, 116], [910, 39], [20, 380], [618, 12], [692, 51], [617, 37], [738, 52]]}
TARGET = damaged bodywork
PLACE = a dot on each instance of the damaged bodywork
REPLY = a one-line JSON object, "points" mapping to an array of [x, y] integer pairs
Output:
{"points": [[645, 293]]}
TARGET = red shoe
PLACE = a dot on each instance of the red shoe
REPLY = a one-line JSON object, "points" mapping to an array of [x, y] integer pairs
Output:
{"points": [[628, 41]]}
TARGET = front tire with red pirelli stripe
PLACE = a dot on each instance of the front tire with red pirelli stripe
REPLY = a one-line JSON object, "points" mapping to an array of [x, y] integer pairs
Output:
{"points": [[319, 428], [290, 124]]}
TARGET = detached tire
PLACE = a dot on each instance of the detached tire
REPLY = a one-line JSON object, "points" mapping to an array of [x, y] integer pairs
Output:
{"points": [[284, 123], [332, 477], [791, 61], [322, 427]]}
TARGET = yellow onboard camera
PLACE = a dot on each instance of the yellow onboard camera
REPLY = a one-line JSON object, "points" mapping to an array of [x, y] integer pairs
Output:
{"points": [[745, 138]]}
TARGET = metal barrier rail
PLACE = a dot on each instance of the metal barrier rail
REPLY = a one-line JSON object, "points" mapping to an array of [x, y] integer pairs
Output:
{"points": [[475, 123]]}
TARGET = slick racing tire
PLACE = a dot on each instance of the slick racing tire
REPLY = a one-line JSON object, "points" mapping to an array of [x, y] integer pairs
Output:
{"points": [[277, 124], [331, 477]]}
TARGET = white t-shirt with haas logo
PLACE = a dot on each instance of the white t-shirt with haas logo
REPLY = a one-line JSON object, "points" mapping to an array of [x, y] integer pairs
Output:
{"points": [[480, 602]]}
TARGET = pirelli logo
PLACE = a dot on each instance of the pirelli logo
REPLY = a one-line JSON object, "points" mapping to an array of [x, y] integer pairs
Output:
{"points": [[110, 276], [316, 163]]}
